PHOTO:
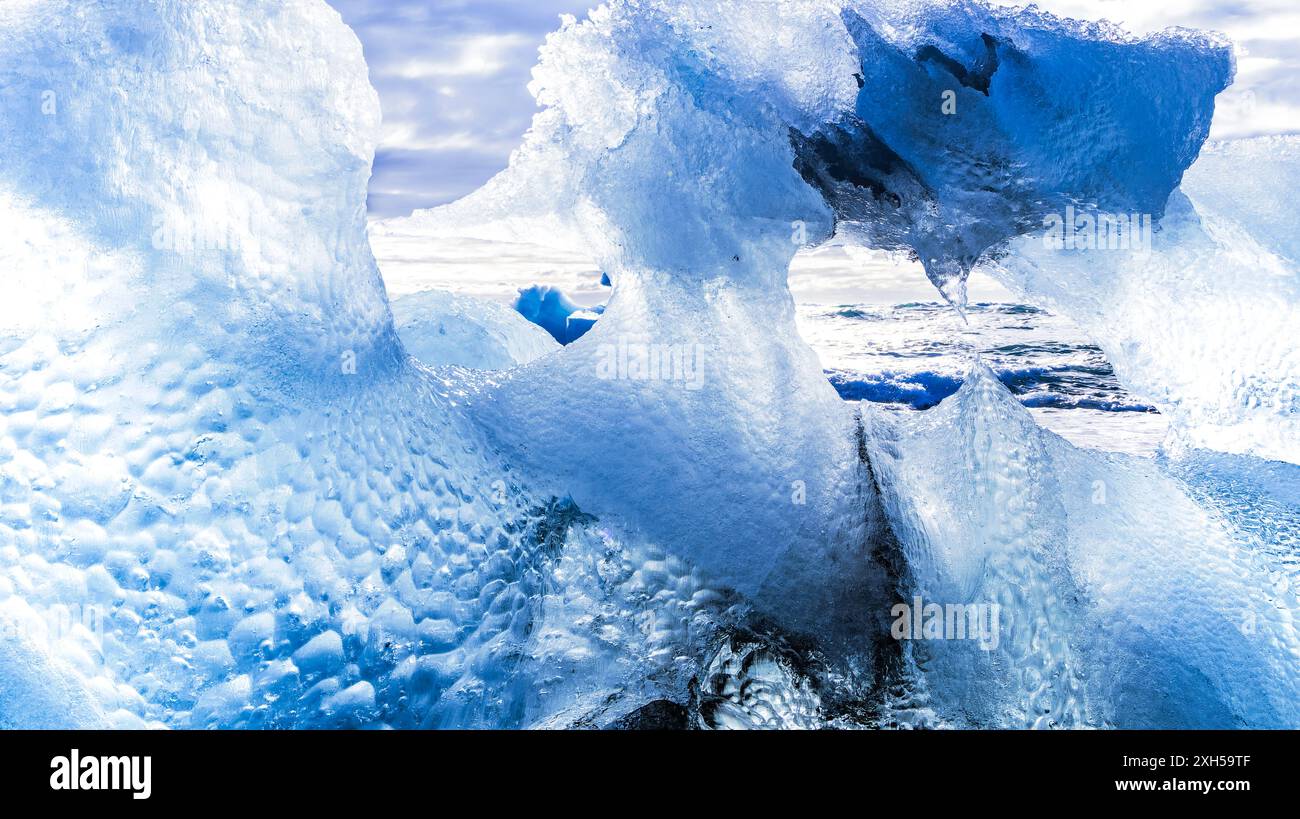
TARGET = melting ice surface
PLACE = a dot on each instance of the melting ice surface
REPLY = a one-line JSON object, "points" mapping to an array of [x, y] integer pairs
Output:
{"points": [[229, 497]]}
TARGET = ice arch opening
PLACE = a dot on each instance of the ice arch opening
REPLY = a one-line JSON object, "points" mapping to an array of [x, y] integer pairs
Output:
{"points": [[690, 180], [693, 148]]}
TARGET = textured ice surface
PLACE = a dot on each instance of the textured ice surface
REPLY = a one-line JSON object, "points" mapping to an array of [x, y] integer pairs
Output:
{"points": [[215, 445], [684, 407], [736, 432], [218, 446], [215, 448], [442, 328], [1204, 323], [212, 442], [972, 124], [1123, 601]]}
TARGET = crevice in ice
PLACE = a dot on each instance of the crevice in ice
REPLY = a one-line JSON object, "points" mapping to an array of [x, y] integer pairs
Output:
{"points": [[978, 75]]}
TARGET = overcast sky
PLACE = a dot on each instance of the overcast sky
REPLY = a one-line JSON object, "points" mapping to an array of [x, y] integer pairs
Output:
{"points": [[452, 77]]}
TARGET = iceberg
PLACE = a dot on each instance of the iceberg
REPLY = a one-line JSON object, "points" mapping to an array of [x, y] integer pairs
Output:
{"points": [[853, 97], [212, 438], [442, 329], [551, 309], [1114, 586], [218, 442]]}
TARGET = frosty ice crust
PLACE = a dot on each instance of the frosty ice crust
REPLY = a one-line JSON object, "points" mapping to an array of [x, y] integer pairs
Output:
{"points": [[213, 438]]}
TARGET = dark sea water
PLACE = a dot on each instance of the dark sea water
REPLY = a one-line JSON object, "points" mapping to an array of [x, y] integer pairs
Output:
{"points": [[912, 356]]}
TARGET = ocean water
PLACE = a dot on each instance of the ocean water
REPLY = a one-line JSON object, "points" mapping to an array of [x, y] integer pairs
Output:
{"points": [[870, 316], [911, 356]]}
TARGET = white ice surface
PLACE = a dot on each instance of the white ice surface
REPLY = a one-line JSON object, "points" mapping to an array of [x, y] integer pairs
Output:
{"points": [[441, 328]]}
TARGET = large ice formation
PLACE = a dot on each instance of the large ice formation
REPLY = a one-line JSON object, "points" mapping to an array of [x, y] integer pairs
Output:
{"points": [[214, 445], [1116, 589], [229, 497]]}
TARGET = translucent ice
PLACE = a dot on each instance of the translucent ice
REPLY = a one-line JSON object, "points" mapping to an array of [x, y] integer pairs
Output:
{"points": [[1202, 322], [214, 442], [974, 123], [442, 328], [182, 444], [681, 185], [215, 445], [1123, 602]]}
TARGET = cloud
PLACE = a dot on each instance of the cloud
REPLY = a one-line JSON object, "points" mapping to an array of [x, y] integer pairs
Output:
{"points": [[476, 55], [452, 78]]}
